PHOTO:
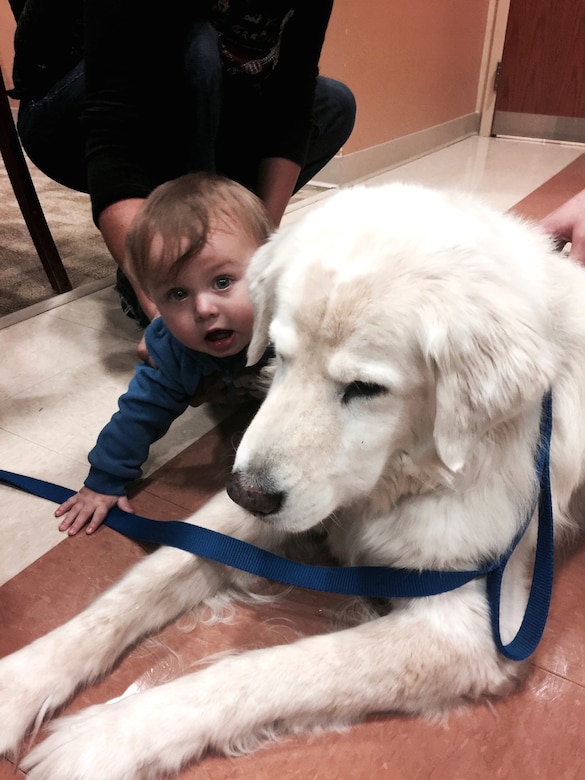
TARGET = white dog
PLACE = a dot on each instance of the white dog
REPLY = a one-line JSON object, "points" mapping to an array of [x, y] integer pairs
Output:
{"points": [[416, 333]]}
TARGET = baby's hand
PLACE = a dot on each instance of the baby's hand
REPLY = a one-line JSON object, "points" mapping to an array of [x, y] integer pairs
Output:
{"points": [[88, 508]]}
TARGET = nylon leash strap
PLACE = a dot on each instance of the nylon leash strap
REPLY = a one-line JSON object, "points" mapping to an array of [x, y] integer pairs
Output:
{"points": [[364, 581]]}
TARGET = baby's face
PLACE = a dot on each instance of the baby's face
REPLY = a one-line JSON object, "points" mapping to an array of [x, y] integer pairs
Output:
{"points": [[207, 307]]}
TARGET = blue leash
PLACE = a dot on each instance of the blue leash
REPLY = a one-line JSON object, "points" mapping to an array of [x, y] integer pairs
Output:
{"points": [[365, 581]]}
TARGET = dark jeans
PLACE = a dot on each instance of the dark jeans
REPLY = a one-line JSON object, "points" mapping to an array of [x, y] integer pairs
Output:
{"points": [[221, 115]]}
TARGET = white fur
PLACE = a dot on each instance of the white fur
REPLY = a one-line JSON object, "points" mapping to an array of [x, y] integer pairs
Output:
{"points": [[464, 318]]}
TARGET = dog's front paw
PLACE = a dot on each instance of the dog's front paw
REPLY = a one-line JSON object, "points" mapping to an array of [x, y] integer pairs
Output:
{"points": [[84, 746], [114, 741], [26, 696]]}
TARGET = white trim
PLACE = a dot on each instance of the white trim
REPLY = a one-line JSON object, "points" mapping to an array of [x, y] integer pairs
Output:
{"points": [[347, 168], [552, 128], [497, 22]]}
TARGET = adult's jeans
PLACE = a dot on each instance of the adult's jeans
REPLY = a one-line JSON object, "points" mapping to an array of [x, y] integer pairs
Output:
{"points": [[222, 137]]}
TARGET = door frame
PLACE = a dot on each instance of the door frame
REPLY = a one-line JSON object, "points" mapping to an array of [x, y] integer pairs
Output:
{"points": [[493, 50]]}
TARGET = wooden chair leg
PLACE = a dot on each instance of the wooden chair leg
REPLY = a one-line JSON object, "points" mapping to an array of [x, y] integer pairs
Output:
{"points": [[26, 195]]}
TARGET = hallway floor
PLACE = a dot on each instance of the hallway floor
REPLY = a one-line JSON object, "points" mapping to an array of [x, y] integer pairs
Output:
{"points": [[62, 374]]}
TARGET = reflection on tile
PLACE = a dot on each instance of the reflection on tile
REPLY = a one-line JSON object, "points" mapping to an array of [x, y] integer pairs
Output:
{"points": [[554, 192], [501, 171], [42, 348], [85, 396]]}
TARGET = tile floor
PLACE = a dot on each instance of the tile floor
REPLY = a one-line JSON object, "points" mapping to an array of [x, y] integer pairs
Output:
{"points": [[62, 372]]}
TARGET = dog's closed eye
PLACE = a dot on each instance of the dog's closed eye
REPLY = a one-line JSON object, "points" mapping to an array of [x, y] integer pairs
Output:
{"points": [[361, 390]]}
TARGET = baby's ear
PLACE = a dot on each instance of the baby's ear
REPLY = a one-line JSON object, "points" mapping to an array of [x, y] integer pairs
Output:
{"points": [[263, 275]]}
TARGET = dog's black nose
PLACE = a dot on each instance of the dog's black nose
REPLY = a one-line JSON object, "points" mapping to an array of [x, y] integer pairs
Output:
{"points": [[255, 499]]}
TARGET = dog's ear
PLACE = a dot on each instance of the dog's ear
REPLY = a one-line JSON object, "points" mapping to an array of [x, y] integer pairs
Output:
{"points": [[262, 275], [488, 368]]}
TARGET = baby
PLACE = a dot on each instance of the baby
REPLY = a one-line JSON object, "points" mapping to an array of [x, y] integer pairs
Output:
{"points": [[188, 247]]}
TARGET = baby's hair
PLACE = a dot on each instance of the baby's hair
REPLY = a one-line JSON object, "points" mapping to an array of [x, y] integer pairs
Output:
{"points": [[180, 214]]}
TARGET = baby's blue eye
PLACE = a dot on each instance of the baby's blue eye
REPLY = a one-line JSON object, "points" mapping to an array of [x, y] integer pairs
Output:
{"points": [[222, 282], [178, 294]]}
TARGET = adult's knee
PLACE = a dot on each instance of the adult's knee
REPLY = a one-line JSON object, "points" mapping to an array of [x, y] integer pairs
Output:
{"points": [[53, 140], [335, 108], [334, 111]]}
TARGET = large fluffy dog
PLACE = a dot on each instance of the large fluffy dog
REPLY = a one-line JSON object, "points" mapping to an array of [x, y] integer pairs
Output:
{"points": [[416, 334]]}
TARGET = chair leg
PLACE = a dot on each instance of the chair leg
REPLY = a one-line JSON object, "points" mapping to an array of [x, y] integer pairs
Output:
{"points": [[26, 195]]}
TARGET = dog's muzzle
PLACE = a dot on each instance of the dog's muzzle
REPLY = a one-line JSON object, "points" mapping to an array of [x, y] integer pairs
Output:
{"points": [[253, 496]]}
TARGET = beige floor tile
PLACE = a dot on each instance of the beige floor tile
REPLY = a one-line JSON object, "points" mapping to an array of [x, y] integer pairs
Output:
{"points": [[45, 347], [500, 171], [28, 528]]}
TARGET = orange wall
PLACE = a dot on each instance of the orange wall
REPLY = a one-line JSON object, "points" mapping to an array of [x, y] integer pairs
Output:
{"points": [[411, 64], [6, 36]]}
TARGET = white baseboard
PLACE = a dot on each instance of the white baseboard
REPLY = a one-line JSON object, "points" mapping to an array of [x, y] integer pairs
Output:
{"points": [[552, 128], [347, 168]]}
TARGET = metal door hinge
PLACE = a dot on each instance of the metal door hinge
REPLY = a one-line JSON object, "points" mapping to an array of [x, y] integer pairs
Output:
{"points": [[497, 76]]}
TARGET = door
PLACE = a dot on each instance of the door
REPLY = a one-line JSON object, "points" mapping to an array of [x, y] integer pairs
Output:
{"points": [[541, 79]]}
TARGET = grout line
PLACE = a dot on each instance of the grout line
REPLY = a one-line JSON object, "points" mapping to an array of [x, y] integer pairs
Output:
{"points": [[56, 301], [557, 675]]}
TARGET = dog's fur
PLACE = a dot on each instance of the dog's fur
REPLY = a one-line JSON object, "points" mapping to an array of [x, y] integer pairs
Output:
{"points": [[415, 333]]}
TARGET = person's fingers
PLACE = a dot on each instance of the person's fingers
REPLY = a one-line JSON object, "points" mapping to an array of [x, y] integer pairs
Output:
{"points": [[67, 521], [97, 519], [124, 504], [66, 506], [78, 523], [577, 252]]}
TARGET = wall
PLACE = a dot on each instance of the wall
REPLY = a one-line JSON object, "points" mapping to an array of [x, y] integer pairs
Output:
{"points": [[414, 67], [6, 36]]}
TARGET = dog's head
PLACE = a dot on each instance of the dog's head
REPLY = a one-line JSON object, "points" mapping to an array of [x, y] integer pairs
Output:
{"points": [[406, 324]]}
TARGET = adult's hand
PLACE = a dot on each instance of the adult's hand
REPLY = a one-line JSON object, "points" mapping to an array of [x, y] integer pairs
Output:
{"points": [[114, 223], [568, 223], [276, 181]]}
